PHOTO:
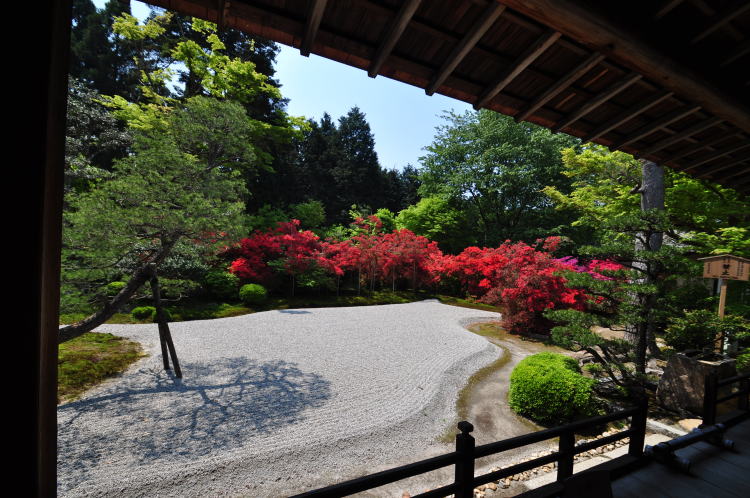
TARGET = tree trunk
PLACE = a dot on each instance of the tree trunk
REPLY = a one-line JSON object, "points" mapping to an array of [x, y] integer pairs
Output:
{"points": [[652, 197], [140, 277]]}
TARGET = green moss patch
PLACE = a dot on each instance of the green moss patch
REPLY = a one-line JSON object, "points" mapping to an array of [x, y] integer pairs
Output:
{"points": [[89, 359]]}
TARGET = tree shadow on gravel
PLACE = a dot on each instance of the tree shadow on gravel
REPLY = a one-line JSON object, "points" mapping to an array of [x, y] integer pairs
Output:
{"points": [[216, 407]]}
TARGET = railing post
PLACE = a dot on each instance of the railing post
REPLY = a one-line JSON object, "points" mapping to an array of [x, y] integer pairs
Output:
{"points": [[465, 444], [566, 450], [742, 399], [638, 426], [709, 399]]}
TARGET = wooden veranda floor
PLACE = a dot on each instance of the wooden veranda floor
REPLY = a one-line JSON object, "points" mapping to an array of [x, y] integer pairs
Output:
{"points": [[714, 472]]}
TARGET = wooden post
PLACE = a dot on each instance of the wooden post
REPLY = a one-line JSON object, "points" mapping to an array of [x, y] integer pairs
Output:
{"points": [[465, 466], [709, 399], [722, 305], [638, 425], [165, 337], [743, 401], [566, 448]]}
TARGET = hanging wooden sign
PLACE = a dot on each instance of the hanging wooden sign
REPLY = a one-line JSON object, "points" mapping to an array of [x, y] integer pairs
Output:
{"points": [[726, 267]]}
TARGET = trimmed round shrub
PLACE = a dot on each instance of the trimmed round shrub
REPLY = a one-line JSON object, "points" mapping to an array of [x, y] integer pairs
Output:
{"points": [[113, 288], [549, 388], [695, 330], [143, 312], [221, 284], [253, 294]]}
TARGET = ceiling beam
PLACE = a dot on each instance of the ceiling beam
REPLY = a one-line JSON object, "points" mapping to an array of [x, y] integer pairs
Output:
{"points": [[703, 144], [521, 63], [689, 132], [667, 8], [395, 30], [583, 23], [739, 51], [723, 167], [736, 174], [721, 19], [560, 85], [707, 158], [598, 100], [468, 42], [314, 16], [660, 123], [627, 115]]}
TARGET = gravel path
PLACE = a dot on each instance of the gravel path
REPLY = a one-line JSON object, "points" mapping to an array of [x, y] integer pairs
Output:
{"points": [[273, 403]]}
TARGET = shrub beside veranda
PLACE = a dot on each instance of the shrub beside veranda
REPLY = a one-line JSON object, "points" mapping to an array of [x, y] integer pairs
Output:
{"points": [[549, 388], [253, 294]]}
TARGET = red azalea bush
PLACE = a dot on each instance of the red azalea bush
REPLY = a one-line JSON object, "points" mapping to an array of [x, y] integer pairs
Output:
{"points": [[525, 280]]}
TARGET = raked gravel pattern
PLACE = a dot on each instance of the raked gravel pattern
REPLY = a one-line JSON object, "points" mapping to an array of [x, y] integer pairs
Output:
{"points": [[273, 403]]}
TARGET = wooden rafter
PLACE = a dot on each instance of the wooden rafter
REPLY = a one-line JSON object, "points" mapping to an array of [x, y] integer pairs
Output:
{"points": [[741, 50], [468, 42], [559, 86], [314, 16], [657, 125], [627, 115], [521, 63], [667, 8], [598, 100], [721, 19], [688, 132], [723, 167], [703, 144], [630, 49], [395, 30], [223, 11], [707, 158]]}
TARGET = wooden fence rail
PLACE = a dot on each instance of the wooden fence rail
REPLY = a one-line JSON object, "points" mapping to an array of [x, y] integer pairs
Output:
{"points": [[467, 452], [711, 398]]}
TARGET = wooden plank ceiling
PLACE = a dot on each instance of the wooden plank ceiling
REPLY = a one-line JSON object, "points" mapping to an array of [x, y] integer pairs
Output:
{"points": [[665, 80]]}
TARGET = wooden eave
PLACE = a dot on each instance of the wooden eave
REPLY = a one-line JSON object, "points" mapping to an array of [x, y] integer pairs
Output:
{"points": [[665, 81]]}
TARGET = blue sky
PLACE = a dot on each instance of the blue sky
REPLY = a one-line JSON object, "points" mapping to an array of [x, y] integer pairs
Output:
{"points": [[402, 117]]}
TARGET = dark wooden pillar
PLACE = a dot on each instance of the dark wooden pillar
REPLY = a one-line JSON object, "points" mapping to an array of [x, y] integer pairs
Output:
{"points": [[44, 138]]}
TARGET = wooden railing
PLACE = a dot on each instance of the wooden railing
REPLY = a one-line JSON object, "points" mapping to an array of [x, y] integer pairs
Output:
{"points": [[711, 398], [463, 459], [709, 431]]}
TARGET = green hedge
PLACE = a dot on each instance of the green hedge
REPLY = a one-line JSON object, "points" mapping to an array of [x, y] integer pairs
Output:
{"points": [[253, 294], [549, 388], [221, 284]]}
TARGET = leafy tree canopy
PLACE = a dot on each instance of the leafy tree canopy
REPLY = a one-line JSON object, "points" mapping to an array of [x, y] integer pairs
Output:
{"points": [[496, 168]]}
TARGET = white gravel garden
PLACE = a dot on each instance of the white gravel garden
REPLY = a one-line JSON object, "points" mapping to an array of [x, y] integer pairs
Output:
{"points": [[272, 403]]}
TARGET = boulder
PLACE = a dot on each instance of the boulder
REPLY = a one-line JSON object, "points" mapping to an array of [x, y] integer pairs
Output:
{"points": [[682, 385]]}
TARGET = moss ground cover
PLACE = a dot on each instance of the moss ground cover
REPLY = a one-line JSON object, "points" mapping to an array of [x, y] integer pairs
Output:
{"points": [[89, 359]]}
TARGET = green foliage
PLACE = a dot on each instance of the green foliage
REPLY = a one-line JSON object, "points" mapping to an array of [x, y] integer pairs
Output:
{"points": [[699, 329], [89, 359], [143, 312], [251, 294], [113, 288], [695, 330], [743, 361], [311, 214], [222, 284], [493, 168], [436, 219], [549, 388]]}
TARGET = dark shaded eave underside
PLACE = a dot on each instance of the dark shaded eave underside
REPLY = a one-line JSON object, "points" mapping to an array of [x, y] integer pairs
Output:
{"points": [[634, 99]]}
